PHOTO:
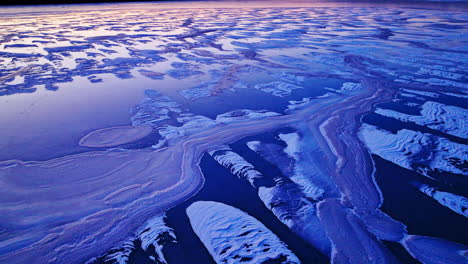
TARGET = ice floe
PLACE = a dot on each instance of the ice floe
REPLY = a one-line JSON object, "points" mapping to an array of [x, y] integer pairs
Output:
{"points": [[156, 233], [232, 236], [237, 165], [172, 121], [461, 94], [445, 118], [413, 150]]}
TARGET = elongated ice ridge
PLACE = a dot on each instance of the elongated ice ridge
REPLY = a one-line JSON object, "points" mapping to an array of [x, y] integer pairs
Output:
{"points": [[237, 165], [244, 114], [156, 233], [283, 197], [293, 149], [232, 236], [418, 151], [289, 204], [439, 73], [462, 94], [445, 118], [456, 203], [120, 255], [286, 160], [423, 93]]}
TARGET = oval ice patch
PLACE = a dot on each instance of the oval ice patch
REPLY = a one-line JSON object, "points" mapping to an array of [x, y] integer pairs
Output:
{"points": [[114, 136]]}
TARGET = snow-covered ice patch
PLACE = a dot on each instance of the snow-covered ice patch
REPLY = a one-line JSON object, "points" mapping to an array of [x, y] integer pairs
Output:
{"points": [[244, 114], [445, 118], [154, 232], [236, 164], [278, 88], [293, 144], [418, 151], [232, 236]]}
